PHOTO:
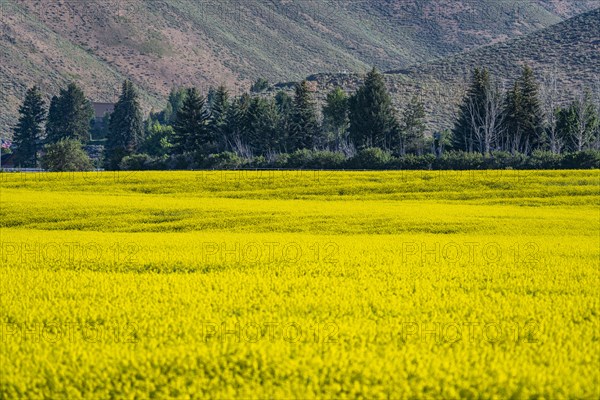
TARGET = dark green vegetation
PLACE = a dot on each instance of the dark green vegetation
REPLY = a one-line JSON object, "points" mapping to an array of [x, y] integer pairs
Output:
{"points": [[69, 116], [496, 128], [160, 44], [66, 155], [29, 132]]}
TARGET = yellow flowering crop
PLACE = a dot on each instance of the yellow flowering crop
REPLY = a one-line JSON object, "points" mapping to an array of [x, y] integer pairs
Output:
{"points": [[258, 284]]}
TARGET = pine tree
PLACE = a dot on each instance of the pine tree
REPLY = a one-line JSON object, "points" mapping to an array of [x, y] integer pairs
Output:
{"points": [[262, 123], [54, 120], [218, 116], [236, 125], [126, 127], [70, 116], [514, 112], [524, 116], [466, 127], [210, 97], [371, 113], [192, 133], [28, 132], [285, 109], [304, 124], [335, 118], [412, 129]]}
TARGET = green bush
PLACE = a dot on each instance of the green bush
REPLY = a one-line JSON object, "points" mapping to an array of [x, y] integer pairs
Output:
{"points": [[505, 160], [181, 162], [281, 160], [372, 158], [300, 159], [544, 160], [225, 160], [460, 160], [328, 160], [260, 85], [589, 159], [259, 162], [142, 162], [413, 162], [66, 155]]}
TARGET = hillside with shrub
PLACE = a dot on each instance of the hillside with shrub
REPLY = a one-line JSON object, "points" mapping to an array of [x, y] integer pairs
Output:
{"points": [[566, 54], [159, 44]]}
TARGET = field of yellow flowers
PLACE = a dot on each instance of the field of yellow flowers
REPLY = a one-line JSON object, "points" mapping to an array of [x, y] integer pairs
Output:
{"points": [[271, 284]]}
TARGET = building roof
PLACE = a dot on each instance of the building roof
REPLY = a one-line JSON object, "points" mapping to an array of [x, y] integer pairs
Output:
{"points": [[100, 109]]}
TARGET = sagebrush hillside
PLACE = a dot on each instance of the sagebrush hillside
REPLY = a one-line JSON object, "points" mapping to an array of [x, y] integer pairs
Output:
{"points": [[568, 51], [160, 44]]}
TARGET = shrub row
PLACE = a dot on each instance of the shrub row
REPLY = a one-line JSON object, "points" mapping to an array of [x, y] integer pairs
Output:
{"points": [[371, 159]]}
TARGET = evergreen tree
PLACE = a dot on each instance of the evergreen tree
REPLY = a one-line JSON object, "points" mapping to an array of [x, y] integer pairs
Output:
{"points": [[218, 117], [411, 136], [304, 124], [466, 128], [262, 122], [514, 112], [524, 116], [28, 132], [210, 97], [126, 127], [371, 113], [236, 125], [53, 122], [70, 116], [285, 109], [335, 118], [566, 121], [192, 133]]}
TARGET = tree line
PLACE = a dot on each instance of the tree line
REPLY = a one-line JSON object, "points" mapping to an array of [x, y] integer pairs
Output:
{"points": [[523, 124]]}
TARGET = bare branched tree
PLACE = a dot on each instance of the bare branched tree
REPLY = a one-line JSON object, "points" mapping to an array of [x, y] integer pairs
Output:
{"points": [[549, 96], [596, 101], [241, 148], [487, 121], [586, 122]]}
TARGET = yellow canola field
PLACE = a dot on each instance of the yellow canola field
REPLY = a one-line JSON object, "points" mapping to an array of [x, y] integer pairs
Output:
{"points": [[271, 284]]}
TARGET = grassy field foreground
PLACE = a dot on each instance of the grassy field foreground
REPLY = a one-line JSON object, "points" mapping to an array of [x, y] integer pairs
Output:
{"points": [[300, 284]]}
